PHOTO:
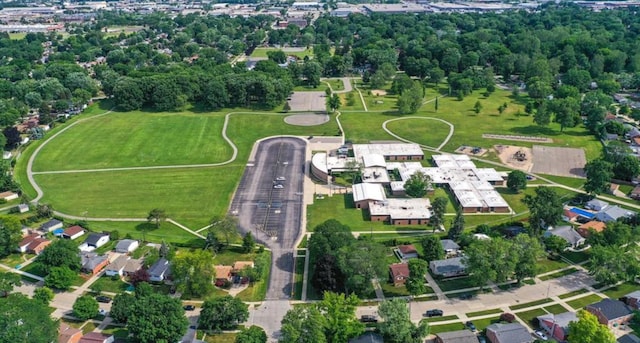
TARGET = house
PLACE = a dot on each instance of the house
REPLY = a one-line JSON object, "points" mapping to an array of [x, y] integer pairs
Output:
{"points": [[448, 268], [450, 247], [132, 266], [568, 215], [508, 333], [611, 312], [367, 337], [126, 246], [23, 208], [223, 273], [596, 205], [94, 241], [159, 270], [399, 273], [635, 193], [629, 338], [613, 213], [8, 196], [96, 337], [33, 243], [240, 265], [557, 325], [585, 229], [407, 251], [461, 336], [634, 132], [51, 225], [67, 334], [93, 263], [567, 233], [633, 300], [73, 232], [117, 266]]}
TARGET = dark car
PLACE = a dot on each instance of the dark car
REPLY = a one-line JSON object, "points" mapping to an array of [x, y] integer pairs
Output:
{"points": [[481, 339], [189, 307], [466, 296], [434, 313], [367, 318], [103, 299], [470, 326]]}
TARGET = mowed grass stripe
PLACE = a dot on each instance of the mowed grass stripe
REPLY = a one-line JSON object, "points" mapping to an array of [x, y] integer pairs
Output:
{"points": [[136, 139], [189, 196]]}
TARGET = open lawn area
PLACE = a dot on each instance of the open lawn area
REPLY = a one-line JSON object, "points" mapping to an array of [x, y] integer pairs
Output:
{"points": [[13, 260], [117, 331], [35, 268], [390, 290], [446, 327], [455, 283], [139, 230], [546, 265], [584, 301], [555, 309], [621, 290], [217, 338], [108, 284], [559, 274], [262, 52], [17, 35], [529, 317], [573, 294]]}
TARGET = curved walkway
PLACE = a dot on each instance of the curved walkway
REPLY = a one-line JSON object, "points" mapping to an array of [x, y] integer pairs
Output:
{"points": [[444, 142]]}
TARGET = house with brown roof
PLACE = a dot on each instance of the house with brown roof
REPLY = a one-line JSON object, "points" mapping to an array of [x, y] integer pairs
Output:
{"points": [[240, 265], [399, 273], [407, 251], [117, 266], [67, 334], [33, 243], [585, 229], [73, 232], [96, 337], [223, 273], [568, 215]]}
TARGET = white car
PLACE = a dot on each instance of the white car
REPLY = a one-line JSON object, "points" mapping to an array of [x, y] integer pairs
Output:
{"points": [[281, 178], [278, 186], [102, 312], [540, 334]]}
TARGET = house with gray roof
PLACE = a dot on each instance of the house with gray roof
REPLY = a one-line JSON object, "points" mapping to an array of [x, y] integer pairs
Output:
{"points": [[450, 247], [117, 266], [596, 204], [159, 270], [629, 338], [568, 233], [126, 246], [611, 312], [633, 300], [367, 337], [51, 225], [508, 333], [449, 267], [460, 336], [93, 263], [613, 213], [557, 325], [94, 241]]}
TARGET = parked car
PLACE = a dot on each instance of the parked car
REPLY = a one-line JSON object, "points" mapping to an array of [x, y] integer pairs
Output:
{"points": [[102, 312], [367, 318], [278, 186], [189, 307], [434, 313], [466, 296], [281, 178], [482, 339], [470, 326], [540, 334], [103, 299]]}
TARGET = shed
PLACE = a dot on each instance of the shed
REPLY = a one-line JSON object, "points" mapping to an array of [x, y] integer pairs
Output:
{"points": [[23, 208], [450, 247], [73, 232], [51, 225], [127, 245]]}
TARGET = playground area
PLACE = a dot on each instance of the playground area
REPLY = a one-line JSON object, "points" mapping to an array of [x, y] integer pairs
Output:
{"points": [[516, 157]]}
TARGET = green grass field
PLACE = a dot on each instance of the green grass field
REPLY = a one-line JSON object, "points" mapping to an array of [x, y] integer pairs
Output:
{"points": [[621, 290], [138, 230], [262, 52], [584, 301]]}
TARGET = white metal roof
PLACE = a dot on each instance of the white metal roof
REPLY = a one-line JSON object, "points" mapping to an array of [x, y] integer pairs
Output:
{"points": [[368, 191]]}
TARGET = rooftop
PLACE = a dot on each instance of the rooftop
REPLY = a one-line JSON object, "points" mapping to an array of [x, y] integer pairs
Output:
{"points": [[368, 191], [610, 308], [401, 208], [386, 150]]}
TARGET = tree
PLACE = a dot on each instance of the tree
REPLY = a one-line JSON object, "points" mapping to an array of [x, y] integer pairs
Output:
{"points": [[60, 278], [85, 307], [627, 167], [396, 326], [312, 71], [417, 185], [432, 248], [212, 242], [416, 282], [222, 313], [327, 275], [10, 234], [527, 251], [43, 295], [457, 226], [26, 320], [610, 264], [334, 102], [254, 334], [555, 244], [44, 211], [545, 208], [588, 330], [12, 135], [227, 226], [157, 318], [339, 312], [192, 272], [361, 262], [401, 83], [140, 275], [7, 282], [411, 99], [517, 181], [599, 173], [248, 243], [156, 217], [438, 208], [490, 260], [128, 94], [303, 324], [121, 306], [60, 253], [477, 107], [542, 116]]}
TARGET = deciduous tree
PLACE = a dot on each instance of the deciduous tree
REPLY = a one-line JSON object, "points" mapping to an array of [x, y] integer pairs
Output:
{"points": [[121, 307], [85, 307], [26, 320], [8, 281], [44, 295], [438, 208], [193, 273], [157, 318], [339, 312], [517, 180], [226, 226], [248, 243], [588, 330], [222, 313], [60, 253], [396, 326], [362, 261], [416, 282], [10, 235], [599, 173], [60, 278], [417, 185], [432, 248], [156, 217], [254, 334], [303, 324], [457, 226], [545, 208]]}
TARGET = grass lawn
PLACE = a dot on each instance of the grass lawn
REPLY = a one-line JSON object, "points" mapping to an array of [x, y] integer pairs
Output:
{"points": [[621, 290], [117, 331], [12, 260], [390, 290], [576, 257], [559, 274], [440, 319], [35, 268], [336, 85], [555, 309], [446, 327], [107, 284], [454, 284], [584, 301], [159, 139], [414, 129], [482, 324], [529, 317], [262, 52], [297, 295], [529, 304], [258, 290], [572, 294], [167, 231], [220, 338], [546, 265], [485, 312], [17, 35], [88, 327], [232, 254]]}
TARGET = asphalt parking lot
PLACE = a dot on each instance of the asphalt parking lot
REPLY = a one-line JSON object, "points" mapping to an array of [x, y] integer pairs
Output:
{"points": [[268, 202]]}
